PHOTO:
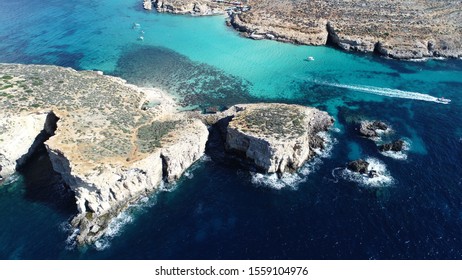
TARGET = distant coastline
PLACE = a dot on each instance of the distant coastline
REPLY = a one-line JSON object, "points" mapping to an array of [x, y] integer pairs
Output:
{"points": [[415, 29]]}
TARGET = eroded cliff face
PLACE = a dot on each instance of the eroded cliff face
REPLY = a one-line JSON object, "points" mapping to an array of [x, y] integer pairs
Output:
{"points": [[280, 30], [278, 138], [187, 146], [147, 4], [17, 135], [107, 148]]}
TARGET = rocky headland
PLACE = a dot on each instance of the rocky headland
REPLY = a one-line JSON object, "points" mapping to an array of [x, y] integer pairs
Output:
{"points": [[106, 147], [112, 146], [411, 29]]}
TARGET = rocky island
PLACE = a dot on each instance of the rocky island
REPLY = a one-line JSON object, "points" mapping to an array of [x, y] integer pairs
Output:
{"points": [[277, 138], [113, 143], [397, 29]]}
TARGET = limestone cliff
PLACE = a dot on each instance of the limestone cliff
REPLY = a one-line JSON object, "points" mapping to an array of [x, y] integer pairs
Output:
{"points": [[201, 8], [17, 144], [272, 29], [147, 4], [107, 146], [276, 137], [187, 145]]}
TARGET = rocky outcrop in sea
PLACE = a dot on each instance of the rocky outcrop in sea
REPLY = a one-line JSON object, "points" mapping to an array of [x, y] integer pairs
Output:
{"points": [[395, 146], [277, 138], [372, 128], [359, 166], [363, 167]]}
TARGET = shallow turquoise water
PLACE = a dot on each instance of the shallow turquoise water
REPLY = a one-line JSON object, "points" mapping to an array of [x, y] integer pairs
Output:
{"points": [[89, 35], [219, 210]]}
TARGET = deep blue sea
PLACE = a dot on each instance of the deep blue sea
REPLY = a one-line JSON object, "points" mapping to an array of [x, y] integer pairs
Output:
{"points": [[413, 210]]}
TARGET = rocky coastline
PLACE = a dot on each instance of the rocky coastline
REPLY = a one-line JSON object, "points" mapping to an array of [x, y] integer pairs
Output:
{"points": [[396, 29], [190, 7], [111, 149]]}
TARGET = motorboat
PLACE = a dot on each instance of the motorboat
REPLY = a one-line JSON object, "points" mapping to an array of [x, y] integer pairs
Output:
{"points": [[443, 100], [310, 58]]}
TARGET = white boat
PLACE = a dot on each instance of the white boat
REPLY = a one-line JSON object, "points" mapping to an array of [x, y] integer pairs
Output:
{"points": [[141, 38], [136, 25], [443, 100], [310, 58]]}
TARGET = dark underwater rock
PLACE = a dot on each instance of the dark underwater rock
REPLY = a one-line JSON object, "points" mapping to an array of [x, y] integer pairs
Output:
{"points": [[395, 146], [370, 128], [359, 166]]}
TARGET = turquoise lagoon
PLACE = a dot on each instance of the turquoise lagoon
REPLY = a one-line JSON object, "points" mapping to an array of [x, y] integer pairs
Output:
{"points": [[217, 210]]}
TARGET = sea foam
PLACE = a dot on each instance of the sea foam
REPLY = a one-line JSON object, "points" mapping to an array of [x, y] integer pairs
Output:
{"points": [[383, 178], [401, 155], [127, 216], [72, 234], [292, 180], [117, 224], [114, 229]]}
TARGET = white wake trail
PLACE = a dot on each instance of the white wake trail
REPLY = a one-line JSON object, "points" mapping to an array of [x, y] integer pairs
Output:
{"points": [[387, 92]]}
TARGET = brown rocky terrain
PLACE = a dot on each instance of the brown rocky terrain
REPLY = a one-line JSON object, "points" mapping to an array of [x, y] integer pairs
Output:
{"points": [[103, 136], [113, 143], [406, 29], [277, 138]]}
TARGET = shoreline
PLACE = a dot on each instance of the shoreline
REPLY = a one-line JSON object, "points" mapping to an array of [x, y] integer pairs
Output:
{"points": [[247, 20]]}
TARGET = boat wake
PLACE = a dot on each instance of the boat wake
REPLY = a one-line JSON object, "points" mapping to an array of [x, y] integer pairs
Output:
{"points": [[389, 92]]}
